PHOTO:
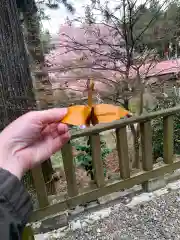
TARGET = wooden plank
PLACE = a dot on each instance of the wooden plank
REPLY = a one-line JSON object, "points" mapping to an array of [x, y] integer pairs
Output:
{"points": [[124, 122], [97, 160], [28, 233], [40, 186], [135, 179], [168, 139], [122, 148], [146, 144], [69, 169]]}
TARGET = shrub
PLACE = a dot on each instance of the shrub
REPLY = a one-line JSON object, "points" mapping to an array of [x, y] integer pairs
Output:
{"points": [[84, 157], [157, 126]]}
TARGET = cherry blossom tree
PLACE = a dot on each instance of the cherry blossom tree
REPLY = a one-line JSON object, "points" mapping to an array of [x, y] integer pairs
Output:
{"points": [[104, 50], [108, 50]]}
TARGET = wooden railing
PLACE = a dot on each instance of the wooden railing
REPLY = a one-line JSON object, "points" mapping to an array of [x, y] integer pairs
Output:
{"points": [[126, 179]]}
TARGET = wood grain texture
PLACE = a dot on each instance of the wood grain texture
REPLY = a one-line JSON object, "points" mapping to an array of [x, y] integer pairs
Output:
{"points": [[168, 139], [146, 144], [40, 186], [122, 148], [69, 169], [107, 189], [97, 160]]}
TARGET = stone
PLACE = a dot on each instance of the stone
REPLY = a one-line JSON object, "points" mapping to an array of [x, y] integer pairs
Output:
{"points": [[154, 184], [172, 176], [121, 194], [91, 205], [160, 192], [75, 225], [110, 197], [76, 211], [53, 223], [119, 236], [140, 199], [159, 159]]}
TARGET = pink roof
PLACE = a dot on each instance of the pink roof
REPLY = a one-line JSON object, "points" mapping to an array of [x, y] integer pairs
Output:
{"points": [[74, 80], [155, 69], [164, 67]]}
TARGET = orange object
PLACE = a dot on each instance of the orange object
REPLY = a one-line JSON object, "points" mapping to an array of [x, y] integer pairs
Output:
{"points": [[93, 114]]}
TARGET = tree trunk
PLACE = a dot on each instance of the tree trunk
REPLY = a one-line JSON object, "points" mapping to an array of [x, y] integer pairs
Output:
{"points": [[16, 95], [141, 105], [43, 88], [141, 108], [126, 103], [16, 89]]}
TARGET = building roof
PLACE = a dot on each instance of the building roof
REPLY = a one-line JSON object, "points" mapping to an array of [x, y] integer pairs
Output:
{"points": [[159, 68]]}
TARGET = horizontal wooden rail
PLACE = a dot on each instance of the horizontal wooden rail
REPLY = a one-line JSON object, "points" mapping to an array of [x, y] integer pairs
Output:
{"points": [[122, 147], [124, 122], [107, 189]]}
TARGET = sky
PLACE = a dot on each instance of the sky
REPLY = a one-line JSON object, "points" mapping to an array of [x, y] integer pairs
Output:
{"points": [[57, 17]]}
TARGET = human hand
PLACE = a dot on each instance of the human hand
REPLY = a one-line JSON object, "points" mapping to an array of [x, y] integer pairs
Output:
{"points": [[32, 139]]}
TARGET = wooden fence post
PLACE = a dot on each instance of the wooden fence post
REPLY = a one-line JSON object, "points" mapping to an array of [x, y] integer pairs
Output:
{"points": [[69, 169], [168, 139], [122, 148], [40, 186], [146, 144], [28, 233], [97, 160]]}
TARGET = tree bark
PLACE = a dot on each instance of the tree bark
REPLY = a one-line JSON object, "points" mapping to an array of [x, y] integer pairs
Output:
{"points": [[137, 135], [42, 86], [16, 90]]}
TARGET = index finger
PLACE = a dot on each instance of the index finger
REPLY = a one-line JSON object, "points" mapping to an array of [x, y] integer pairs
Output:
{"points": [[51, 115]]}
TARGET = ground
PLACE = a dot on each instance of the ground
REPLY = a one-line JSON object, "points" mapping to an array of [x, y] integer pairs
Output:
{"points": [[148, 216]]}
